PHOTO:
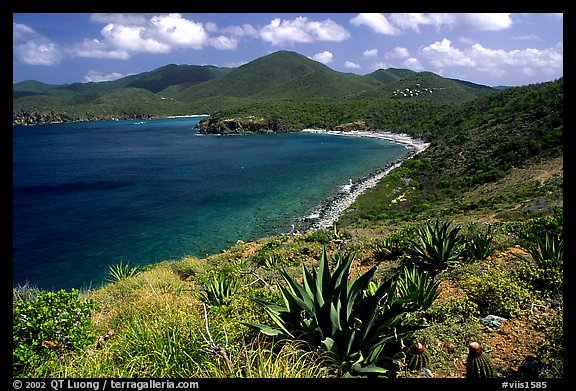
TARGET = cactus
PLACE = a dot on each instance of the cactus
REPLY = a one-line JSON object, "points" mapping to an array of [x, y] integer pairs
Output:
{"points": [[478, 364], [418, 357]]}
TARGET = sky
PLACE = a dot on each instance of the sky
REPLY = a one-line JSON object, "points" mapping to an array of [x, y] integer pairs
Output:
{"points": [[493, 49]]}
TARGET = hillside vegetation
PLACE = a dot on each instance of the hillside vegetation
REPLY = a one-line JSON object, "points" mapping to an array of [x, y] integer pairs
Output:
{"points": [[462, 243], [279, 78]]}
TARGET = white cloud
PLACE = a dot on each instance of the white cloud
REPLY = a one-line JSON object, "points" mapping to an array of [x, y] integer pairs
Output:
{"points": [[93, 48], [224, 43], [443, 54], [466, 21], [496, 62], [32, 48], [324, 57], [413, 63], [131, 19], [350, 64], [380, 65], [370, 53], [302, 30], [550, 58], [95, 76], [127, 34], [484, 22], [132, 39], [377, 22], [246, 30], [398, 52], [175, 30]]}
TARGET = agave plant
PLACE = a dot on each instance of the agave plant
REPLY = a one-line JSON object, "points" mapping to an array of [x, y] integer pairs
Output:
{"points": [[220, 287], [480, 246], [361, 327], [548, 251], [122, 271], [436, 245]]}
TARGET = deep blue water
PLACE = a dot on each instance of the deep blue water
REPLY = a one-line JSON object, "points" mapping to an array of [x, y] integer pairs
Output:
{"points": [[90, 195]]}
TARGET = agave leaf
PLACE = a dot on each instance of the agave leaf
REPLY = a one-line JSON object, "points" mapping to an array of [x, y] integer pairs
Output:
{"points": [[266, 329]]}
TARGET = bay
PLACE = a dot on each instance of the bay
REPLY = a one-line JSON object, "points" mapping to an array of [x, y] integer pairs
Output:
{"points": [[93, 194]]}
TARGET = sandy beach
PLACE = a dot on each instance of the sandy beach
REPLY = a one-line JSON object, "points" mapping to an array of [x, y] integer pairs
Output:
{"points": [[326, 214]]}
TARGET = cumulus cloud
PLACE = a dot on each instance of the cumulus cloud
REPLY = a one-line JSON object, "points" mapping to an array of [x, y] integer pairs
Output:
{"points": [[132, 39], [30, 47], [127, 34], [94, 48], [174, 30], [466, 21], [376, 22], [302, 30], [398, 52], [324, 57], [224, 43], [95, 76], [350, 64], [413, 63], [443, 54], [370, 53], [496, 62], [380, 65]]}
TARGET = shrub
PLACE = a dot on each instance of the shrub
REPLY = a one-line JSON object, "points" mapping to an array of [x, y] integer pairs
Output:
{"points": [[49, 326], [454, 309], [497, 292], [361, 330]]}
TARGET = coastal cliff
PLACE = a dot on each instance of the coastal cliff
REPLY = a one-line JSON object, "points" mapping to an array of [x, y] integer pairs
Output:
{"points": [[252, 124], [245, 125]]}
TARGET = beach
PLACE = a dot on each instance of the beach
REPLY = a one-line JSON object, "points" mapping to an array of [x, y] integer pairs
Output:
{"points": [[327, 213]]}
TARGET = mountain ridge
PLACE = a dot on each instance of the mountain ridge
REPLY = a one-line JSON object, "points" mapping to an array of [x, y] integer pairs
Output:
{"points": [[279, 76]]}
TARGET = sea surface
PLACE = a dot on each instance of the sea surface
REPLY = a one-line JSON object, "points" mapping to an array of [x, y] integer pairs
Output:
{"points": [[93, 194]]}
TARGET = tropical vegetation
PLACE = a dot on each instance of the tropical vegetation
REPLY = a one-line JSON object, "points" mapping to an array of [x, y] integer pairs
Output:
{"points": [[469, 231]]}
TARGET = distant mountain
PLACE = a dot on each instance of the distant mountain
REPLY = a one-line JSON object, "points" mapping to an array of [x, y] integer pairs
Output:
{"points": [[280, 76]]}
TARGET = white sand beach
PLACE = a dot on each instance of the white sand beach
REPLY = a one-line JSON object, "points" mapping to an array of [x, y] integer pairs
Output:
{"points": [[328, 213]]}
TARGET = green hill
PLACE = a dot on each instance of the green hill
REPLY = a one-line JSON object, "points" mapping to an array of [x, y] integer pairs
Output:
{"points": [[283, 76]]}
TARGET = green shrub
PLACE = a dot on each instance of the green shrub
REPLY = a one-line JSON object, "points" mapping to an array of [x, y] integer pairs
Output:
{"points": [[454, 309], [361, 328], [497, 291], [536, 229], [551, 349], [49, 326]]}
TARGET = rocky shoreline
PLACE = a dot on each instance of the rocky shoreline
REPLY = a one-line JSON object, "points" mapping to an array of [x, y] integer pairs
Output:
{"points": [[328, 213]]}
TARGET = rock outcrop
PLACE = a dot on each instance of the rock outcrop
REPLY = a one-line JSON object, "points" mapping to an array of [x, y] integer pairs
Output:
{"points": [[244, 125]]}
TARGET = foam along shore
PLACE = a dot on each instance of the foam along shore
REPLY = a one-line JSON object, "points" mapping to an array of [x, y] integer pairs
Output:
{"points": [[189, 116], [326, 214]]}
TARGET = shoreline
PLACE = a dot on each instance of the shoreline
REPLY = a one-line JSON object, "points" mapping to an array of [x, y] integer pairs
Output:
{"points": [[328, 212]]}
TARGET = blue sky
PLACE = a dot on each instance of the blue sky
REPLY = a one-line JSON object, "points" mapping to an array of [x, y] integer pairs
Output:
{"points": [[485, 48]]}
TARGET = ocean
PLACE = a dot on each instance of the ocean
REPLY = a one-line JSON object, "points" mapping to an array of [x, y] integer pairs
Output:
{"points": [[90, 195]]}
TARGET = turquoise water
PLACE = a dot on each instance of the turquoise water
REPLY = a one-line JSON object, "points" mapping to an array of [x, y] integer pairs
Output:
{"points": [[90, 195]]}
